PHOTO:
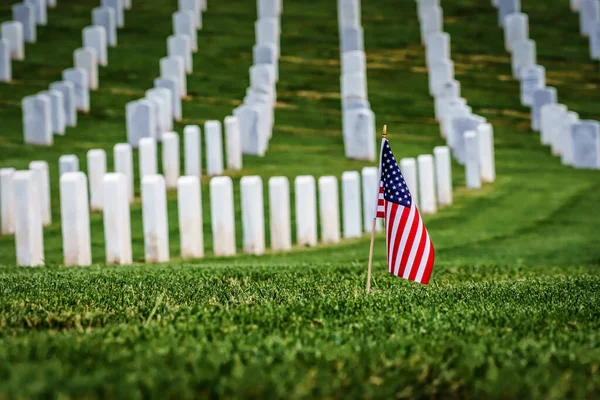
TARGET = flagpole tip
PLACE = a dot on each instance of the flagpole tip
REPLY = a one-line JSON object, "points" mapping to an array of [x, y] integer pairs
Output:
{"points": [[384, 135]]}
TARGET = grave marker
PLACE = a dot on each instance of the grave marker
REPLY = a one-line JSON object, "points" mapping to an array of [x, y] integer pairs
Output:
{"points": [[155, 219], [541, 97], [67, 163], [194, 7], [13, 32], [595, 40], [95, 38], [352, 39], [566, 146], [85, 59], [533, 78], [550, 117], [7, 226], [39, 11], [233, 143], [172, 85], [189, 205], [141, 121], [173, 67], [214, 148], [184, 24], [439, 74], [37, 120], [79, 78], [96, 166], [193, 150], [166, 106], [25, 14], [117, 6], [329, 209], [348, 13], [29, 236], [41, 177], [180, 45], [159, 111], [222, 216], [523, 55], [105, 17], [585, 142], [507, 7], [279, 212], [516, 30], [75, 219], [370, 188], [123, 160], [443, 175], [306, 211], [432, 21], [57, 111], [117, 219], [408, 168], [5, 61], [69, 102], [487, 162], [147, 155], [472, 171], [170, 159], [253, 219], [428, 203], [589, 14], [437, 48], [352, 219]]}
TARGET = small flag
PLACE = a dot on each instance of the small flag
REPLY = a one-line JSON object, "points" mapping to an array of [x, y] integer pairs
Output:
{"points": [[409, 249]]}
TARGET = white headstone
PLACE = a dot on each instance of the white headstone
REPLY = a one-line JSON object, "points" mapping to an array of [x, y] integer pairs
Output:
{"points": [[37, 120], [155, 219], [123, 160], [251, 129], [359, 134], [354, 62], [516, 29], [25, 14], [566, 146], [117, 219], [193, 150], [472, 171], [127, 4], [585, 142], [550, 117], [329, 211], [40, 11], [86, 59], [575, 4], [166, 106], [533, 77], [5, 62], [41, 176], [443, 175], [180, 45], [266, 54], [233, 142], [279, 212], [438, 48], [222, 216], [67, 163], [541, 97], [354, 85], [306, 210], [213, 138], [253, 219], [194, 7], [172, 85], [507, 7], [95, 38], [173, 67], [184, 24], [523, 55], [141, 121], [7, 226], [75, 219], [408, 168], [370, 193], [487, 158], [105, 17], [348, 13], [595, 41], [352, 218], [80, 80], [69, 102], [432, 21], [268, 8], [29, 236], [147, 155], [117, 6], [456, 140], [161, 111], [588, 14], [422, 5], [189, 205], [428, 204], [57, 111], [352, 39], [170, 159], [449, 92], [439, 74], [96, 166], [267, 32], [13, 32]]}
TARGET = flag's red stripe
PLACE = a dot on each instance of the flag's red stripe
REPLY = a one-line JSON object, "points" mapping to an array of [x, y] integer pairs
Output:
{"points": [[398, 239], [420, 252], [429, 266], [409, 243]]}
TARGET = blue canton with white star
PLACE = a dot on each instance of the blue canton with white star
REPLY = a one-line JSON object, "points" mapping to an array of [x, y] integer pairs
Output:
{"points": [[394, 186]]}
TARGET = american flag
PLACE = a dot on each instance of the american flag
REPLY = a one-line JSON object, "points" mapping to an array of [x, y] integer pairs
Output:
{"points": [[409, 249]]}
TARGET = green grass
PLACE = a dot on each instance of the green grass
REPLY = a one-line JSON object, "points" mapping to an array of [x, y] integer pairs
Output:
{"points": [[513, 307]]}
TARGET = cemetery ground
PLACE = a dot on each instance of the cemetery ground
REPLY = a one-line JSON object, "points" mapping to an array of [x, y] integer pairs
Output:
{"points": [[513, 306]]}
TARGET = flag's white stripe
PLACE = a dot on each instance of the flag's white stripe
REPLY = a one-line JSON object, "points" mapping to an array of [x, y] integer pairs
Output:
{"points": [[392, 232], [404, 239], [388, 226], [414, 249], [424, 260]]}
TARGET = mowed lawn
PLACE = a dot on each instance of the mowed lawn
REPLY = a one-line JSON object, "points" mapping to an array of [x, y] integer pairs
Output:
{"points": [[513, 309]]}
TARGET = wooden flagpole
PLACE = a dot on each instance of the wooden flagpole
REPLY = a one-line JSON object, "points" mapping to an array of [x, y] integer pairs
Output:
{"points": [[384, 136]]}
